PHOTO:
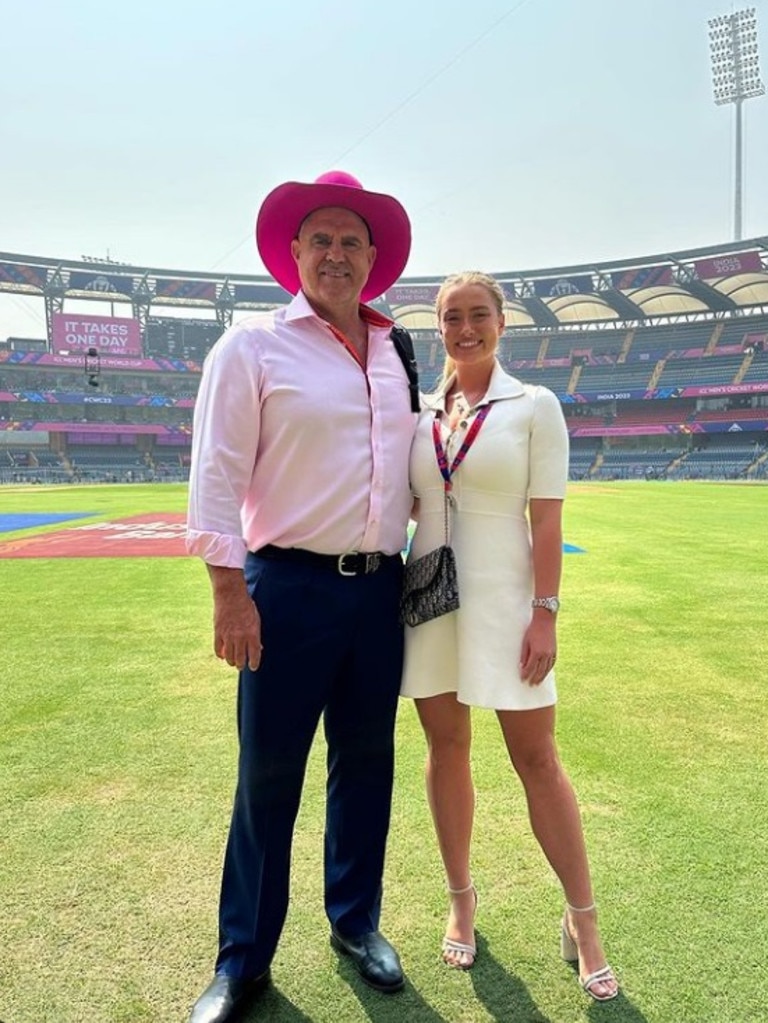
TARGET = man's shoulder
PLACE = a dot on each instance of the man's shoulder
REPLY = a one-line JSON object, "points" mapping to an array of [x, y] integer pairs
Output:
{"points": [[264, 319], [249, 328]]}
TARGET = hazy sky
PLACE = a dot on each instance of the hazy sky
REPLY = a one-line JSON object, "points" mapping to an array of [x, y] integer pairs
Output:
{"points": [[518, 135]]}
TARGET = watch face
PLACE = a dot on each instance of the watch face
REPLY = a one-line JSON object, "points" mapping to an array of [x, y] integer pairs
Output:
{"points": [[550, 603]]}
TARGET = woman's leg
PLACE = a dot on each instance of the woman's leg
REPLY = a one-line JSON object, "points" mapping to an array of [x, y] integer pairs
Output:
{"points": [[451, 797], [554, 813]]}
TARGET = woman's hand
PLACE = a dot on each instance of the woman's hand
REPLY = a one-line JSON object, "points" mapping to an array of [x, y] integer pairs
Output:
{"points": [[539, 651]]}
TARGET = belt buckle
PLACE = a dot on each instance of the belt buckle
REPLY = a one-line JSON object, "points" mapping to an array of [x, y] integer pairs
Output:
{"points": [[372, 562], [340, 563]]}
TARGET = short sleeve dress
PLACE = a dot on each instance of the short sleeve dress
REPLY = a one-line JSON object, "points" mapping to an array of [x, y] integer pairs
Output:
{"points": [[520, 452]]}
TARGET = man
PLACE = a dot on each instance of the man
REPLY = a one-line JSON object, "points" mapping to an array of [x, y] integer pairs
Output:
{"points": [[298, 504]]}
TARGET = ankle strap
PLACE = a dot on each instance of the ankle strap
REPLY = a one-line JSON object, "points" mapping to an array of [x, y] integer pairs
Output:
{"points": [[581, 909], [461, 891]]}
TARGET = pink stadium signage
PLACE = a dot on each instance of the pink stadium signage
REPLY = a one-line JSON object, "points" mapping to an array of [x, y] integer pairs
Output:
{"points": [[107, 362], [109, 335], [731, 263], [714, 389], [408, 294]]}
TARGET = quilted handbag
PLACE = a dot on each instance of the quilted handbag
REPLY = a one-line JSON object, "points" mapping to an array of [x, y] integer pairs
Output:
{"points": [[430, 587]]}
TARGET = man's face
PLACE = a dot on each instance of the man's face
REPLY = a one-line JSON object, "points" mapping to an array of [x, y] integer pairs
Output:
{"points": [[334, 257]]}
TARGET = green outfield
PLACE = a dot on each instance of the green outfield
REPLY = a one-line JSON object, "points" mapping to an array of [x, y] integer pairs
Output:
{"points": [[117, 762]]}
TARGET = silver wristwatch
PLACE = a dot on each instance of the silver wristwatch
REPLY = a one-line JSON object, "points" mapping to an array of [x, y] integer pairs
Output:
{"points": [[550, 603]]}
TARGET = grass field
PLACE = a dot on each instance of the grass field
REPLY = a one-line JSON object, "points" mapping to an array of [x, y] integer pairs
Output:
{"points": [[117, 762]]}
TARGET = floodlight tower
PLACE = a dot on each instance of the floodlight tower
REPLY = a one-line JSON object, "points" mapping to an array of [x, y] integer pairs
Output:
{"points": [[735, 77]]}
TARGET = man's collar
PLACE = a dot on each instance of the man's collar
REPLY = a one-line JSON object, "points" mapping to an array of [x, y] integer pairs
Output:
{"points": [[299, 308]]}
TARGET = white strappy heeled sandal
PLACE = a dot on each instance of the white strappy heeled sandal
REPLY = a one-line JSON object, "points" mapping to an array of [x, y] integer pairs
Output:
{"points": [[460, 949], [569, 950]]}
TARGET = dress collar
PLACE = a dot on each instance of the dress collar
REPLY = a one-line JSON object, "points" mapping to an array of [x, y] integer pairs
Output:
{"points": [[500, 386]]}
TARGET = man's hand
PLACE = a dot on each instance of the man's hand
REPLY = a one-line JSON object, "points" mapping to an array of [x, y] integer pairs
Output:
{"points": [[236, 621]]}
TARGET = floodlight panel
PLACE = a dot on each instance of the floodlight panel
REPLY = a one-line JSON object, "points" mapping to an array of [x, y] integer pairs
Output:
{"points": [[734, 57]]}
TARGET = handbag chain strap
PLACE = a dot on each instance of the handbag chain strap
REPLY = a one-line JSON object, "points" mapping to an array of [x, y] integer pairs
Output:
{"points": [[447, 470]]}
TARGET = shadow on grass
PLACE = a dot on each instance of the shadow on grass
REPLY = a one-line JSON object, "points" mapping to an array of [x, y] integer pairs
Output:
{"points": [[619, 1009], [273, 1005], [394, 1008], [504, 996]]}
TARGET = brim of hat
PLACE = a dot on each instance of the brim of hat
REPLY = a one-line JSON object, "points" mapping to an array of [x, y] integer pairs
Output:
{"points": [[286, 207]]}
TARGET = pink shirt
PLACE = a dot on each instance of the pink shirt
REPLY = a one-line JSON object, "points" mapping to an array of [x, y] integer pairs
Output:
{"points": [[295, 445]]}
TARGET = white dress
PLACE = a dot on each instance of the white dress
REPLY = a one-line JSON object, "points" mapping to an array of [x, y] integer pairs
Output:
{"points": [[520, 452]]}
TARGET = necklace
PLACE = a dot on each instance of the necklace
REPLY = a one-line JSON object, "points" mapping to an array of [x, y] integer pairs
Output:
{"points": [[461, 408], [467, 401]]}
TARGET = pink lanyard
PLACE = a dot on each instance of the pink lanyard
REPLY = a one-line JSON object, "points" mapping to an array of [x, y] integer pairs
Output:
{"points": [[447, 471]]}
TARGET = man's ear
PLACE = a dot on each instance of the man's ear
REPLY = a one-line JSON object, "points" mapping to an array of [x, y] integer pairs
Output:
{"points": [[295, 249]]}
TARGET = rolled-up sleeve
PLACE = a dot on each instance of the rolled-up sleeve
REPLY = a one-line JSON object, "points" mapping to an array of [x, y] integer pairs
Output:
{"points": [[225, 440]]}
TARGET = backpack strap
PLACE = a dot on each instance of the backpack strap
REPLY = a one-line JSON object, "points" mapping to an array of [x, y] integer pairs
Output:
{"points": [[403, 343]]}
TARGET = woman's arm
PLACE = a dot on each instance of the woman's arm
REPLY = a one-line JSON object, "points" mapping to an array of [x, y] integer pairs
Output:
{"points": [[540, 641], [546, 517]]}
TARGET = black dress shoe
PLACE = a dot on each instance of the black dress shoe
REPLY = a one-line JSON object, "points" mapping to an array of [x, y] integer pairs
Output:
{"points": [[374, 959], [225, 997]]}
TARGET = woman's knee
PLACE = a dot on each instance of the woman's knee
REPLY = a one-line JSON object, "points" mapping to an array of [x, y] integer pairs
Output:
{"points": [[540, 765], [448, 746]]}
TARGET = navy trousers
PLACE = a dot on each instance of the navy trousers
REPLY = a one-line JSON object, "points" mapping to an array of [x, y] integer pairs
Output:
{"points": [[333, 647]]}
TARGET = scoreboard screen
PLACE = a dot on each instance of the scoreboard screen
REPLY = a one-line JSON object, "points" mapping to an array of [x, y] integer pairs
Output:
{"points": [[175, 338]]}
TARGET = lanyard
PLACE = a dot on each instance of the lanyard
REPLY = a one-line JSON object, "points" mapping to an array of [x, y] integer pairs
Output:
{"points": [[447, 471], [344, 340]]}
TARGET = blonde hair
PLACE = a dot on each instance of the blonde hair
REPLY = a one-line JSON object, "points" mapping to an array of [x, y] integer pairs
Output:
{"points": [[457, 281]]}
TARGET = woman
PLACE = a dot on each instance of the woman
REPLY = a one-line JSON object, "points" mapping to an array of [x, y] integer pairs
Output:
{"points": [[498, 650]]}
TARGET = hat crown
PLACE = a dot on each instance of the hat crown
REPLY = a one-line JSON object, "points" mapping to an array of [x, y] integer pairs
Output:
{"points": [[287, 206], [338, 177]]}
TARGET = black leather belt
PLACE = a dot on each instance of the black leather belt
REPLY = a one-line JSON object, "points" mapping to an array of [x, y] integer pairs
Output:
{"points": [[350, 563]]}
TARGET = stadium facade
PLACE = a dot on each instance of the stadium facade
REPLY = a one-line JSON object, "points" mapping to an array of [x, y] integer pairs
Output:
{"points": [[660, 362]]}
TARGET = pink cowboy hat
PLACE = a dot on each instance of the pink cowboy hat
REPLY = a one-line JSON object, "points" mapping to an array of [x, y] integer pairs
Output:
{"points": [[286, 207]]}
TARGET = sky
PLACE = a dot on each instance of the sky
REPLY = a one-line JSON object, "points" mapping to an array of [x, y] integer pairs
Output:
{"points": [[518, 134]]}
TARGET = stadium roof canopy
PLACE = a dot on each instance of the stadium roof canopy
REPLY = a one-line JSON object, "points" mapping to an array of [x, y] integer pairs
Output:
{"points": [[692, 284], [702, 283]]}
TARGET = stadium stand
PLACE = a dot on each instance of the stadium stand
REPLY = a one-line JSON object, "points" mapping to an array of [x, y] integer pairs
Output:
{"points": [[661, 364]]}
